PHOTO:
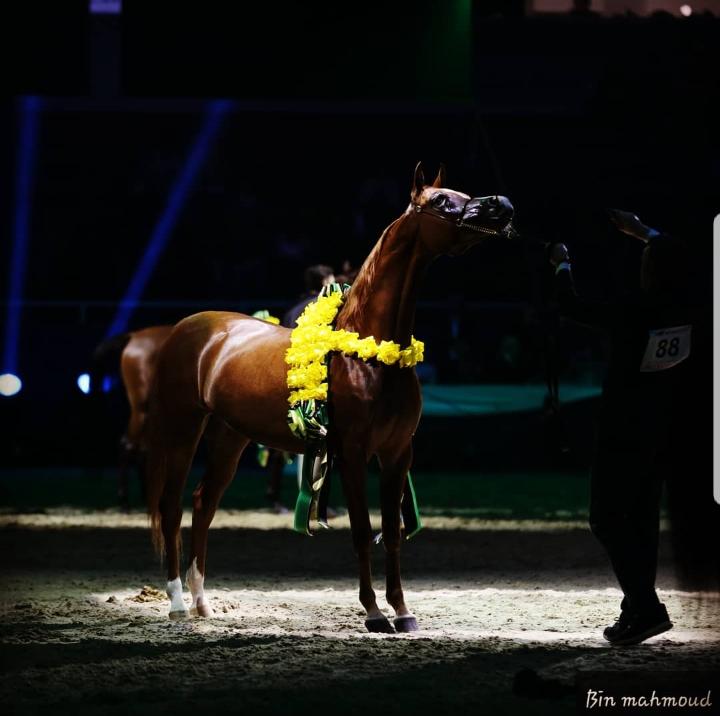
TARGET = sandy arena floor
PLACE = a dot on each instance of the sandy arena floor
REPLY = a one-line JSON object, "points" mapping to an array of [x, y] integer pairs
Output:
{"points": [[85, 628]]}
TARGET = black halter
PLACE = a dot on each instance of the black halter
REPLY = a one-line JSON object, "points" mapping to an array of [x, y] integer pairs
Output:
{"points": [[459, 221]]}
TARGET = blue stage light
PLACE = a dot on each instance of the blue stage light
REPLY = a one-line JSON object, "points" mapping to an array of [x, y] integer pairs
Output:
{"points": [[26, 146], [107, 384], [10, 385], [83, 382], [163, 229]]}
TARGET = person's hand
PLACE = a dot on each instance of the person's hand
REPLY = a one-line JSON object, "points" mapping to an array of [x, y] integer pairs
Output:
{"points": [[629, 224], [558, 254]]}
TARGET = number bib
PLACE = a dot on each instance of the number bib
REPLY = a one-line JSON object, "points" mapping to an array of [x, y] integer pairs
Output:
{"points": [[666, 347]]}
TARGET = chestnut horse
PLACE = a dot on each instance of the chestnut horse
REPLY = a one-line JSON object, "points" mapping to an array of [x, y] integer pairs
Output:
{"points": [[137, 370], [136, 353], [225, 374]]}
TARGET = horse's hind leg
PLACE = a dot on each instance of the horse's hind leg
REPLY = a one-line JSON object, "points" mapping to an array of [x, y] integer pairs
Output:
{"points": [[224, 449], [174, 457], [130, 450], [394, 468], [126, 454]]}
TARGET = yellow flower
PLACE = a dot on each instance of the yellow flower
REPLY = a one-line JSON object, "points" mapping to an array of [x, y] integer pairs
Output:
{"points": [[388, 352], [317, 393], [306, 375], [366, 348], [418, 349], [413, 354], [314, 338]]}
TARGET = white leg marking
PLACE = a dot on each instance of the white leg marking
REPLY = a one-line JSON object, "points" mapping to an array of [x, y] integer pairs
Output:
{"points": [[196, 583], [177, 605]]}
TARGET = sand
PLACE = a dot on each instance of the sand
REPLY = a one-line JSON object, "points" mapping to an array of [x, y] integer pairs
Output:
{"points": [[85, 625]]}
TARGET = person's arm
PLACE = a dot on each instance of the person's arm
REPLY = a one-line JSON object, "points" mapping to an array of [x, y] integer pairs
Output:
{"points": [[591, 313], [629, 224]]}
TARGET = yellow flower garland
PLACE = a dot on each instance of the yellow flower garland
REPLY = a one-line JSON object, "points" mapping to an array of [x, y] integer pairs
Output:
{"points": [[314, 338]]}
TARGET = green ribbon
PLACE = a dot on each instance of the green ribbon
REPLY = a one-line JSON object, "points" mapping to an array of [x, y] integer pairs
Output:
{"points": [[410, 510], [309, 502], [303, 506], [308, 420]]}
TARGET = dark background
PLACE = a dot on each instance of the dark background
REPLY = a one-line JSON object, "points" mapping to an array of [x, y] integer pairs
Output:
{"points": [[332, 106]]}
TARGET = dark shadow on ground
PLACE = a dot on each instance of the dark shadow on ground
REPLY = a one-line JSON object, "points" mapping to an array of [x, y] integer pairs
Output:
{"points": [[286, 553]]}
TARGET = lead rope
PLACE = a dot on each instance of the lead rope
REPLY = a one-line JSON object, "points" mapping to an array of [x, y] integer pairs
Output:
{"points": [[552, 379]]}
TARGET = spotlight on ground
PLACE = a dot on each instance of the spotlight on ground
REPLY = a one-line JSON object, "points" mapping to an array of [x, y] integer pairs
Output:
{"points": [[83, 382], [9, 385]]}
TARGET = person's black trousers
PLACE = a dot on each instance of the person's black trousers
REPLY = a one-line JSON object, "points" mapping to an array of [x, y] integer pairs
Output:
{"points": [[626, 488]]}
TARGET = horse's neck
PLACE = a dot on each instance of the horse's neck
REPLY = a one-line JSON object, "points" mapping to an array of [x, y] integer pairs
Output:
{"points": [[383, 297]]}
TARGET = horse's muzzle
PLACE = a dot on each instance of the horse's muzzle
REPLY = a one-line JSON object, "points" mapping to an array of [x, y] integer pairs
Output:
{"points": [[492, 213]]}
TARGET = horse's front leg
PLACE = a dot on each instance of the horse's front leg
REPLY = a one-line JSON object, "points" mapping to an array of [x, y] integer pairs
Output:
{"points": [[353, 469], [395, 464]]}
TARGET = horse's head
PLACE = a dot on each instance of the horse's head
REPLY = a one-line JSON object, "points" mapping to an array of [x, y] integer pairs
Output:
{"points": [[450, 221]]}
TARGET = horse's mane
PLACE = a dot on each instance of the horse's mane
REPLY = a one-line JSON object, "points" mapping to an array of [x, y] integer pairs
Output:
{"points": [[353, 309]]}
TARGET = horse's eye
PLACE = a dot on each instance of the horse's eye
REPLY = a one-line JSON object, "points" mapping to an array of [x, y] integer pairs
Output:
{"points": [[439, 201]]}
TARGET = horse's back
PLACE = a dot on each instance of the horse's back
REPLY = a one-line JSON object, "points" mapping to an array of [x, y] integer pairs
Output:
{"points": [[212, 335], [144, 346], [210, 322], [233, 365], [138, 362]]}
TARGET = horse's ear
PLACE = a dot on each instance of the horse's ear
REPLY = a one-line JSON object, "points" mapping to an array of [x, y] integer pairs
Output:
{"points": [[440, 178], [418, 181]]}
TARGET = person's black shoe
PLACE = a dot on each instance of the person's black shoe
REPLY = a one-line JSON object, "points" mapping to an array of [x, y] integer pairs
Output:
{"points": [[633, 628], [613, 632]]}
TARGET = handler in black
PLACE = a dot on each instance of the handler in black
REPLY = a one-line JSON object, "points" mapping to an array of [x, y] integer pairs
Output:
{"points": [[650, 343]]}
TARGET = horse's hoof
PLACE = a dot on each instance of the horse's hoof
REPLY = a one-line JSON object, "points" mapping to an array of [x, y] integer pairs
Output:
{"points": [[379, 625], [406, 623], [202, 610], [178, 615]]}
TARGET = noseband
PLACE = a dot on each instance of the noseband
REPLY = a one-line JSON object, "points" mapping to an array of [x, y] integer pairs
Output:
{"points": [[458, 222]]}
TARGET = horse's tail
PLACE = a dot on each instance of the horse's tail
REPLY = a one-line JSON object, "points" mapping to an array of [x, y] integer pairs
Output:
{"points": [[155, 474], [154, 491], [106, 358]]}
